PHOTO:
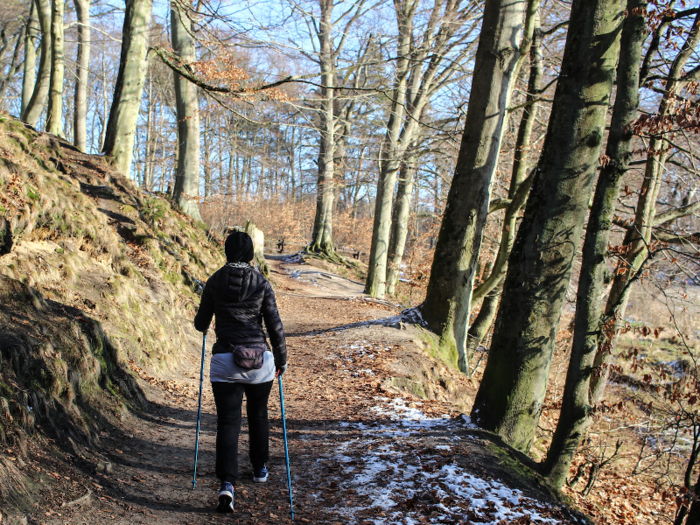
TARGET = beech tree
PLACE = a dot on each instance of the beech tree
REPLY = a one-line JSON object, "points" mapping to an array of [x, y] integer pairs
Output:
{"points": [[489, 291], [34, 108], [509, 399], [123, 115], [30, 43], [14, 26], [399, 219], [427, 58], [579, 400], [599, 322], [452, 274], [648, 223], [186, 191], [54, 115], [80, 109], [329, 34]]}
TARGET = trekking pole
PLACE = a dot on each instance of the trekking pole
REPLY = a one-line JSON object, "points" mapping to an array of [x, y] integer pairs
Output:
{"points": [[286, 449], [199, 412]]}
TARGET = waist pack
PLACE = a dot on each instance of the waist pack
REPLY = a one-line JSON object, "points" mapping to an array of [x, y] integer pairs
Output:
{"points": [[249, 356]]}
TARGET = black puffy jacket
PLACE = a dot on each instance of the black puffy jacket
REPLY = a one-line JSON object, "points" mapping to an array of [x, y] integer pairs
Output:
{"points": [[241, 298]]}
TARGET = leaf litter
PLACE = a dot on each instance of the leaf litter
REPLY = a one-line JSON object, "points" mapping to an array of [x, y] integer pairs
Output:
{"points": [[361, 452]]}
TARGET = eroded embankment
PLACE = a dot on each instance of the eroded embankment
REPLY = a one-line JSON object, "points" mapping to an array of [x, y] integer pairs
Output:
{"points": [[95, 278]]}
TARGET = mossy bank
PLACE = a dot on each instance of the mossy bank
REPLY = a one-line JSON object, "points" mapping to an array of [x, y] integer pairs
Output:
{"points": [[96, 277]]}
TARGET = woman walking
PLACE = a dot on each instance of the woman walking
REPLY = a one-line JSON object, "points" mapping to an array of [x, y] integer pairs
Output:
{"points": [[242, 363]]}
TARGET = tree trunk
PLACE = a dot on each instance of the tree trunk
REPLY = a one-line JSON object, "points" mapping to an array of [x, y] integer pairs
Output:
{"points": [[639, 234], [123, 115], [15, 63], [482, 323], [31, 38], [421, 68], [105, 102], [510, 397], [33, 111], [322, 236], [207, 147], [54, 123], [379, 251], [390, 164], [82, 9], [399, 223], [446, 307], [521, 165], [186, 193], [577, 403]]}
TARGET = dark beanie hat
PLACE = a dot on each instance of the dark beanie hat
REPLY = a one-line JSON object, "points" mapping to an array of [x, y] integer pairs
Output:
{"points": [[239, 247]]}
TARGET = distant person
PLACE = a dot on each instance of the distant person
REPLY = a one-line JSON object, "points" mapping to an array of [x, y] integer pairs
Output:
{"points": [[242, 363]]}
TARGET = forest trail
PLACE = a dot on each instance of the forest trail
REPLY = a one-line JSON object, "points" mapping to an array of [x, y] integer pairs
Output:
{"points": [[359, 454]]}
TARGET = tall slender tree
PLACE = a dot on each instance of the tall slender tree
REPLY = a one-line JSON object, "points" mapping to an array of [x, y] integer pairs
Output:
{"points": [[517, 194], [489, 291], [54, 118], [33, 110], [15, 62], [331, 34], [80, 105], [322, 235], [647, 220], [427, 58], [30, 43], [399, 220], [454, 264], [123, 114], [186, 192], [577, 403], [511, 394]]}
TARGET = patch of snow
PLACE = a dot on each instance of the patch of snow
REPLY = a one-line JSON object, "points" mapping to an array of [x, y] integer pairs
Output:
{"points": [[296, 258], [403, 486], [388, 481]]}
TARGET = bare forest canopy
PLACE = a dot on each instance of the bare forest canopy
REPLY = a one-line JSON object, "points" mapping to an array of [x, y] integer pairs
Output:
{"points": [[514, 171]]}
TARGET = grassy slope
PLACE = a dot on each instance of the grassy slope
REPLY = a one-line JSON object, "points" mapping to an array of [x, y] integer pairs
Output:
{"points": [[98, 278]]}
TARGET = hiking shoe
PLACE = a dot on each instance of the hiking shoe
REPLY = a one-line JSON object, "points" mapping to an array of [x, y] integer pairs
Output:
{"points": [[226, 493], [260, 474]]}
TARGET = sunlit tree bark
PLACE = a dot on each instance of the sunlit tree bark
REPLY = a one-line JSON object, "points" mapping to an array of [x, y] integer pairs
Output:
{"points": [[448, 298], [123, 114], [425, 62], [511, 394], [322, 235], [577, 403], [638, 236], [399, 222], [30, 42], [186, 192], [35, 107], [54, 121], [332, 129], [82, 9]]}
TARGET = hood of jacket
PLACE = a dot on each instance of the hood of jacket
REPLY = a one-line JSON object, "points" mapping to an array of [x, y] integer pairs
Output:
{"points": [[238, 281]]}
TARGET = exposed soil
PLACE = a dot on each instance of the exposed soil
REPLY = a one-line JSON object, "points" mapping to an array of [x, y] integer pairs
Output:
{"points": [[363, 450]]}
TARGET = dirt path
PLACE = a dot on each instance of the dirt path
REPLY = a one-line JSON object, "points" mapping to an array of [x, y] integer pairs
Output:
{"points": [[358, 454]]}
